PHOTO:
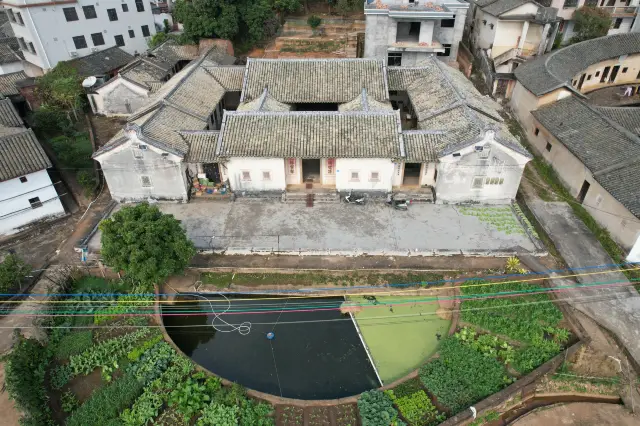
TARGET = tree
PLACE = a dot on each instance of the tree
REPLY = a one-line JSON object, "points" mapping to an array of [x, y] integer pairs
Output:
{"points": [[590, 22], [242, 20], [12, 272], [145, 243], [61, 88]]}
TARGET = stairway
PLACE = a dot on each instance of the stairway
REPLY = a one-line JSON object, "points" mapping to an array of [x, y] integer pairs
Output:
{"points": [[311, 198]]}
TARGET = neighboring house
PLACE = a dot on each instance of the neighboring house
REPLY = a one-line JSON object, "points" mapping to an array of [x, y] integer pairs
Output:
{"points": [[505, 33], [52, 32], [103, 64], [578, 68], [405, 32], [177, 54], [27, 194], [623, 16], [596, 153], [328, 124]]}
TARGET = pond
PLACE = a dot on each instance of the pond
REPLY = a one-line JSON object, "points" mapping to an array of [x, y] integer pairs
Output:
{"points": [[316, 352]]}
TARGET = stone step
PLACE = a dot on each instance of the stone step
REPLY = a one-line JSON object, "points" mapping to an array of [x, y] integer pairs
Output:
{"points": [[301, 197]]}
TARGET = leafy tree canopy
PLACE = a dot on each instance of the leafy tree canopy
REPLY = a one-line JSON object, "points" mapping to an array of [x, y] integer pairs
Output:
{"points": [[590, 22], [145, 243], [12, 272], [241, 20], [61, 88]]}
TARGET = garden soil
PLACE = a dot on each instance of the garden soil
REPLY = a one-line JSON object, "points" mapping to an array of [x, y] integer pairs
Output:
{"points": [[580, 413], [10, 414]]}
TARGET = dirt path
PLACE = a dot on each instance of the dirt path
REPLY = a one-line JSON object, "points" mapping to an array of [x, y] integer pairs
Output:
{"points": [[579, 413], [10, 414]]}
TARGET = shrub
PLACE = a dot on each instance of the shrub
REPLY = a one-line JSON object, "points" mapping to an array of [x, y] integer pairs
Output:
{"points": [[215, 414], [60, 376], [87, 180], [50, 120], [69, 402], [24, 380], [12, 271], [417, 408], [461, 375], [376, 409], [106, 403], [73, 344], [73, 151], [314, 21]]}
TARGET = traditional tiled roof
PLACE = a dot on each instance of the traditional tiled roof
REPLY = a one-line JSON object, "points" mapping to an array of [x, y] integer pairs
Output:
{"points": [[443, 99], [21, 154], [217, 55], [183, 103], [627, 117], [230, 77], [9, 50], [8, 83], [266, 102], [5, 26], [364, 103], [145, 71], [315, 80], [422, 146], [311, 135], [557, 68], [101, 63], [202, 146], [172, 52], [8, 115], [498, 7], [607, 149]]}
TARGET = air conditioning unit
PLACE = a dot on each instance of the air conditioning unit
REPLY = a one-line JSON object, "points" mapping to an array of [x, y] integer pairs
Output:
{"points": [[94, 49], [73, 54]]}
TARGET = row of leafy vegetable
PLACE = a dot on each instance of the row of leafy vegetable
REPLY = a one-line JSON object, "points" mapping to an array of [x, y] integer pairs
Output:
{"points": [[470, 365]]}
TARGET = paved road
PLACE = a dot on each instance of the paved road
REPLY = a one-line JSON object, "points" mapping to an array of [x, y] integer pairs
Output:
{"points": [[615, 308], [374, 229]]}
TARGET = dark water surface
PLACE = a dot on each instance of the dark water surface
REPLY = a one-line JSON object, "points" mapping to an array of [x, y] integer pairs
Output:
{"points": [[306, 360]]}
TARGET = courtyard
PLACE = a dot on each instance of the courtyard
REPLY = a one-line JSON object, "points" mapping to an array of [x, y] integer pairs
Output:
{"points": [[374, 229]]}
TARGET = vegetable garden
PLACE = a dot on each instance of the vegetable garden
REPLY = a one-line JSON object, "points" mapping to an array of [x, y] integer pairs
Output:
{"points": [[122, 373], [498, 340]]}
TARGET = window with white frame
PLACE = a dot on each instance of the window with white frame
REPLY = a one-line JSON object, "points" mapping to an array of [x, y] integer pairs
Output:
{"points": [[19, 18], [478, 182], [145, 181], [498, 164], [483, 151], [374, 177], [137, 151], [246, 175], [266, 175], [11, 16], [354, 176]]}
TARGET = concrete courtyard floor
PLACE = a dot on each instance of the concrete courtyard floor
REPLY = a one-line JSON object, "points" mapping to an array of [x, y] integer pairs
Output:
{"points": [[374, 229]]}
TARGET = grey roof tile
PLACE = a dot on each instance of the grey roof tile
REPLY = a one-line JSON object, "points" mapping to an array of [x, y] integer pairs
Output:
{"points": [[9, 117], [499, 7], [266, 102], [21, 154], [311, 135], [202, 146], [199, 93], [315, 80], [627, 117], [10, 51], [101, 63], [365, 103], [172, 52], [144, 71], [8, 83], [230, 77], [422, 146], [557, 68], [607, 149]]}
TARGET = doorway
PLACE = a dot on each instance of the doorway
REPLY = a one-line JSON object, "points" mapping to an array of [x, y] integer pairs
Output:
{"points": [[614, 73], [311, 170], [212, 170], [412, 174], [605, 74], [581, 81], [583, 191]]}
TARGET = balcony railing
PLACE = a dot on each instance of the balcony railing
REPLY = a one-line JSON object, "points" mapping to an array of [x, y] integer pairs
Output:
{"points": [[621, 10]]}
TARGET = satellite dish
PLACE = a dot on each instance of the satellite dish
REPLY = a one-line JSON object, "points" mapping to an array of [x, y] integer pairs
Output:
{"points": [[89, 82]]}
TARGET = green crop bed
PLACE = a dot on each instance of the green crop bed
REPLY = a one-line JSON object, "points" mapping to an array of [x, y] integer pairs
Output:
{"points": [[399, 343]]}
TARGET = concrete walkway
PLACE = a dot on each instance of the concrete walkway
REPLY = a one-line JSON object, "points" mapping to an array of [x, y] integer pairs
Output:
{"points": [[341, 229], [616, 308]]}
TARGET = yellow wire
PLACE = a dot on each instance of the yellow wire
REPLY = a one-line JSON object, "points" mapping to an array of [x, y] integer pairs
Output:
{"points": [[389, 293]]}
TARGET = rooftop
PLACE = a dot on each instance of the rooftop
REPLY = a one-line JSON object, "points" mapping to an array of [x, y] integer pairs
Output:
{"points": [[315, 80], [8, 115], [172, 52], [605, 147], [101, 63], [21, 154], [10, 51], [8, 83], [556, 69]]}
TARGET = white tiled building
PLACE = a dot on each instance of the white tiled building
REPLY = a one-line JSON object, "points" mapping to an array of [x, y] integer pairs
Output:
{"points": [[52, 32]]}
